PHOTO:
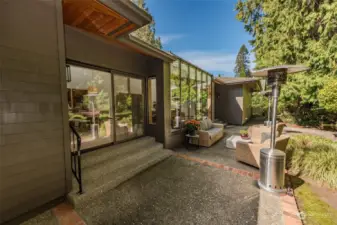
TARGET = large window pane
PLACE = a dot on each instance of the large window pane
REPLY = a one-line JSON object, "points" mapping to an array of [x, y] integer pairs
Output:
{"points": [[204, 95], [175, 95], [199, 114], [184, 92], [193, 93], [90, 105], [209, 96], [152, 94], [129, 110]]}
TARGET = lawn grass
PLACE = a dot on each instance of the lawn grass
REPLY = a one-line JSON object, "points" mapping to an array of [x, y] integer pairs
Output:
{"points": [[315, 211]]}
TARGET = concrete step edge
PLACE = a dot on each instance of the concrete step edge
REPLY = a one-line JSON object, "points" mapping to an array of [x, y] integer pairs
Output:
{"points": [[92, 158], [76, 200], [111, 165]]}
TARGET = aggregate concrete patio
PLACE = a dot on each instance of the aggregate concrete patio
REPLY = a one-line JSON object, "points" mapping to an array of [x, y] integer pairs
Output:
{"points": [[182, 191], [178, 191]]}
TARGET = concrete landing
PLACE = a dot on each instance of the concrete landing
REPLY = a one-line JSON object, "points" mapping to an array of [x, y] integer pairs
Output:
{"points": [[106, 168]]}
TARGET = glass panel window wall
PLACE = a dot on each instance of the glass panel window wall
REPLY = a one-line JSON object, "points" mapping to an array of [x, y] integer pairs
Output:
{"points": [[204, 110], [191, 93], [184, 92], [175, 95], [199, 115]]}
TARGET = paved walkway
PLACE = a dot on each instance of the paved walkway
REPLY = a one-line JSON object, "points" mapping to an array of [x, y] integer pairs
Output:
{"points": [[323, 133]]}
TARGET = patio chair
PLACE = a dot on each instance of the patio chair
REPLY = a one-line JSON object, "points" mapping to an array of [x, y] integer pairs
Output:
{"points": [[249, 153]]}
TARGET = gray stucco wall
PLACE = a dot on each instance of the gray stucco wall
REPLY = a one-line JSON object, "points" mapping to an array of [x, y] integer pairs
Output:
{"points": [[34, 168], [228, 103]]}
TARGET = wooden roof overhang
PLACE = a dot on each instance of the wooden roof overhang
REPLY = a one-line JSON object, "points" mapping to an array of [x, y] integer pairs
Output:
{"points": [[142, 47], [106, 18], [253, 83]]}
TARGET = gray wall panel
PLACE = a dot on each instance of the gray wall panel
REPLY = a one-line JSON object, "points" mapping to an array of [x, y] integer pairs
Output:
{"points": [[90, 49], [32, 152], [228, 103]]}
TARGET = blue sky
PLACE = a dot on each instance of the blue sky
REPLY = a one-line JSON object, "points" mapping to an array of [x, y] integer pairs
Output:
{"points": [[204, 32]]}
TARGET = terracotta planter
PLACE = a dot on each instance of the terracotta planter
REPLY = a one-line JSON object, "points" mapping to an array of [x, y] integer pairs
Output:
{"points": [[244, 136]]}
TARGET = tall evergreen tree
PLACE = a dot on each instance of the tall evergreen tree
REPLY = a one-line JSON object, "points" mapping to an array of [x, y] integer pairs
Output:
{"points": [[296, 32], [292, 32], [242, 63], [148, 32]]}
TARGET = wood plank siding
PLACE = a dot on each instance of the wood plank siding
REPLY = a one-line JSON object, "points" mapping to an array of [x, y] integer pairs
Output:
{"points": [[32, 132]]}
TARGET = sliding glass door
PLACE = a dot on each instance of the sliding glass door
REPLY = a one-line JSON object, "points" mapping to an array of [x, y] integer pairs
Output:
{"points": [[90, 105], [104, 107], [129, 107]]}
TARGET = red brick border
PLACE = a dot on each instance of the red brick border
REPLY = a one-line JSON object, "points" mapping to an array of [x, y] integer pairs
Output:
{"points": [[66, 215], [291, 213], [246, 173]]}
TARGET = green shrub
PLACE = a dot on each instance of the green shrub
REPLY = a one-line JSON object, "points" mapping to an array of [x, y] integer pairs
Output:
{"points": [[259, 104], [313, 156], [327, 96]]}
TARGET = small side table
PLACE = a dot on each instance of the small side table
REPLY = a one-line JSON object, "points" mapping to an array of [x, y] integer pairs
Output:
{"points": [[189, 140], [232, 140]]}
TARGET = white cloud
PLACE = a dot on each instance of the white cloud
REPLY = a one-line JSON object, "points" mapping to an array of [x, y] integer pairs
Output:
{"points": [[211, 60], [166, 38]]}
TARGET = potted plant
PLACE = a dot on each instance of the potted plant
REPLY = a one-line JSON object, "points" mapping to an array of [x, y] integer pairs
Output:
{"points": [[244, 134], [192, 126]]}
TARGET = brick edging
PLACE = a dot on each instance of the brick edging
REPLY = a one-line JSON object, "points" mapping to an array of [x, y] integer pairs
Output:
{"points": [[66, 215], [291, 213], [241, 172]]}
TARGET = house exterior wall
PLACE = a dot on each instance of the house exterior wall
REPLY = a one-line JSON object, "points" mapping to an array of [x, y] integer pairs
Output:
{"points": [[157, 130], [229, 103], [90, 49], [34, 143], [247, 103]]}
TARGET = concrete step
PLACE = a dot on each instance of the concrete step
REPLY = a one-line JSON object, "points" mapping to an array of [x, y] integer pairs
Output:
{"points": [[90, 174], [100, 178], [97, 157]]}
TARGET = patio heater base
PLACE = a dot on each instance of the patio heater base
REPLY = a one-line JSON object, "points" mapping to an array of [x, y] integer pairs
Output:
{"points": [[272, 164]]}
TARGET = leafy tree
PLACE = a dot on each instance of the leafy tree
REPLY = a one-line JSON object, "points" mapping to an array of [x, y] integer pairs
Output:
{"points": [[296, 32], [292, 32], [242, 63], [147, 33], [327, 96]]}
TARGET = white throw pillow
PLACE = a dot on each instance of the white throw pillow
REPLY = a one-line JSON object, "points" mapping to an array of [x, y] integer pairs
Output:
{"points": [[209, 123]]}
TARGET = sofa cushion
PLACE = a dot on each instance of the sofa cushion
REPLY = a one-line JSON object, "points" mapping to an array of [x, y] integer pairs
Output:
{"points": [[209, 123], [203, 125], [214, 132]]}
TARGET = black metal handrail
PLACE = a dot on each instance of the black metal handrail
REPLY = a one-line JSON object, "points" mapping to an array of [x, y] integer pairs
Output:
{"points": [[75, 146]]}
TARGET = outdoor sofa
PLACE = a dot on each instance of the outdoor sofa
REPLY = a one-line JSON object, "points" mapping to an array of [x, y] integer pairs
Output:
{"points": [[210, 132]]}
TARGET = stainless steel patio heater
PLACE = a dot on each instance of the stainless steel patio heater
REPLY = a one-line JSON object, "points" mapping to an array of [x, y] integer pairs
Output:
{"points": [[272, 160], [269, 95]]}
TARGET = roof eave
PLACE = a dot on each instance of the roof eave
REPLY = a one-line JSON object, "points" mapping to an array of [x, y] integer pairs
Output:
{"points": [[146, 48], [130, 11]]}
